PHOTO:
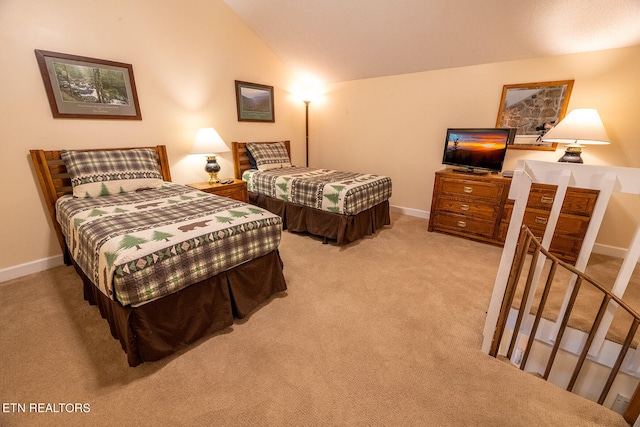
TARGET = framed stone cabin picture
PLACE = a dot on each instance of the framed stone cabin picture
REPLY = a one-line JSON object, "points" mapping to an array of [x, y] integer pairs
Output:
{"points": [[533, 109]]}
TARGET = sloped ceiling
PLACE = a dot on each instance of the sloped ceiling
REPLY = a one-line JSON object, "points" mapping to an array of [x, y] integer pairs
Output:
{"points": [[340, 40]]}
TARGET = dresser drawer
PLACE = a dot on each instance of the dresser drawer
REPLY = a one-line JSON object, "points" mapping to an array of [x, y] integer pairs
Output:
{"points": [[470, 207], [537, 219], [236, 190], [233, 193], [576, 201], [472, 189], [463, 224], [580, 202], [564, 247], [540, 197]]}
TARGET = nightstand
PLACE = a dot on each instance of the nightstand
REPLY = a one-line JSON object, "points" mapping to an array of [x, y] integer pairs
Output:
{"points": [[236, 190]]}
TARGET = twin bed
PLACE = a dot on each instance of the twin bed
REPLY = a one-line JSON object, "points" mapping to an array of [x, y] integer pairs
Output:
{"points": [[167, 264], [341, 206]]}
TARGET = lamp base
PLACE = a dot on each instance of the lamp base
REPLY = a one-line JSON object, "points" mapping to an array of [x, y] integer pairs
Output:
{"points": [[213, 178], [572, 154], [212, 168]]}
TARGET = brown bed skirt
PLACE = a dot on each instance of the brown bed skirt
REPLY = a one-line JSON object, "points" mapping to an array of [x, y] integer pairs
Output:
{"points": [[342, 228], [161, 327]]}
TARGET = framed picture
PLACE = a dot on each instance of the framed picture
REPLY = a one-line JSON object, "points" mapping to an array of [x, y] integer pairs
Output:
{"points": [[254, 102], [88, 88], [533, 109]]}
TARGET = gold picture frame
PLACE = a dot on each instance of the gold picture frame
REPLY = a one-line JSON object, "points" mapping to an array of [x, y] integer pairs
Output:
{"points": [[533, 108]]}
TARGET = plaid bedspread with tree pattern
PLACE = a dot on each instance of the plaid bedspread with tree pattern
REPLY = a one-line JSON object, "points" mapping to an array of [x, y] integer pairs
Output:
{"points": [[334, 191], [140, 246]]}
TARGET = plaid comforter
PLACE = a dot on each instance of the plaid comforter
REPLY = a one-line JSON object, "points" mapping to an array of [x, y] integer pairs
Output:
{"points": [[345, 193], [140, 246]]}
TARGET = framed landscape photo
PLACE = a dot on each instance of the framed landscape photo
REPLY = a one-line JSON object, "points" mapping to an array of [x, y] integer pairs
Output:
{"points": [[254, 102], [88, 88]]}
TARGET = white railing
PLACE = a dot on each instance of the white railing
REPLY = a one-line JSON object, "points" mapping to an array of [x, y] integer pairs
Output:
{"points": [[607, 180]]}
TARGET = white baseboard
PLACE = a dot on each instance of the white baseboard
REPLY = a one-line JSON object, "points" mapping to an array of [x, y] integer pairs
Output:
{"points": [[601, 249], [409, 211], [30, 268], [613, 251]]}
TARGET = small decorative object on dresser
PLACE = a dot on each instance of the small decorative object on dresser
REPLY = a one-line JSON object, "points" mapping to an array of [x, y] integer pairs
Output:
{"points": [[237, 189], [477, 207]]}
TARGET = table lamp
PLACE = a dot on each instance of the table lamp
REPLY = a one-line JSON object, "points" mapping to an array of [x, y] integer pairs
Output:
{"points": [[580, 127], [209, 143]]}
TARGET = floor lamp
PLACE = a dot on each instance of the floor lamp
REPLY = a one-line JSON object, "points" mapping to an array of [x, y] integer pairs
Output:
{"points": [[306, 125]]}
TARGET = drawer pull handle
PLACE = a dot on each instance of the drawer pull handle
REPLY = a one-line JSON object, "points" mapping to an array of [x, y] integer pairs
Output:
{"points": [[541, 220], [546, 199], [464, 207], [467, 189], [462, 224]]}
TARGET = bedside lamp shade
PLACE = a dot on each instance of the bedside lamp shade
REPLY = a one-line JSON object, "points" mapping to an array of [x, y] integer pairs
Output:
{"points": [[209, 143], [580, 127]]}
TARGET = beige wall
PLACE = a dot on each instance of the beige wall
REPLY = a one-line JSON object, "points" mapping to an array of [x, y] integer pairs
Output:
{"points": [[396, 125], [185, 57]]}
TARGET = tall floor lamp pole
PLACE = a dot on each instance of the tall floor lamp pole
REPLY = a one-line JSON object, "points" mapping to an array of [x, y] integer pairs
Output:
{"points": [[306, 124]]}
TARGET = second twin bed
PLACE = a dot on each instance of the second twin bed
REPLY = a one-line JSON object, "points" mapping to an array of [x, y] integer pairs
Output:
{"points": [[336, 205]]}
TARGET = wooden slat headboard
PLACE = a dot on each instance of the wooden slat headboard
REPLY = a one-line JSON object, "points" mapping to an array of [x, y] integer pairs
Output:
{"points": [[55, 181], [241, 159]]}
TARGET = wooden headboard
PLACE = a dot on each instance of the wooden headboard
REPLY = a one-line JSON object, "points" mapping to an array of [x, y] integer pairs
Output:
{"points": [[241, 159], [55, 181]]}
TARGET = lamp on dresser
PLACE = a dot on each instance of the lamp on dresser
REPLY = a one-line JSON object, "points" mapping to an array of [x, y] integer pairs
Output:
{"points": [[580, 127], [209, 143]]}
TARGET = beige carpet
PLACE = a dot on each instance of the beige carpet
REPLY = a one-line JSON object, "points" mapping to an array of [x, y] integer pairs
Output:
{"points": [[384, 332]]}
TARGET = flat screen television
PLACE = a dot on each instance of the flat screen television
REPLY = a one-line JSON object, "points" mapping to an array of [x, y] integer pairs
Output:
{"points": [[477, 150]]}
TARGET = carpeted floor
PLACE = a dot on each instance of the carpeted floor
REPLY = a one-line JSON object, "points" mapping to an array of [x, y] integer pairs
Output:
{"points": [[386, 331]]}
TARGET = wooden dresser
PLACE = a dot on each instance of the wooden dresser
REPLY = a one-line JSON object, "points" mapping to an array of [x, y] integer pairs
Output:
{"points": [[477, 207]]}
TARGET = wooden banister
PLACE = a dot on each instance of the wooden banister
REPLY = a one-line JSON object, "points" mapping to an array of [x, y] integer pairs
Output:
{"points": [[527, 243]]}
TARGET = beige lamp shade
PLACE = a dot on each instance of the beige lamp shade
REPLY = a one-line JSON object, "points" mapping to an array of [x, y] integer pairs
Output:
{"points": [[580, 127], [209, 142]]}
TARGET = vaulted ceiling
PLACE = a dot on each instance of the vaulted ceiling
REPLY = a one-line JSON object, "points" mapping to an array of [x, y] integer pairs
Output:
{"points": [[340, 40]]}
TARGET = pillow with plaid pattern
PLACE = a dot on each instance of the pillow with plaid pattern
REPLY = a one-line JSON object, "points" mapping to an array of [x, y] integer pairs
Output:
{"points": [[107, 172], [269, 156]]}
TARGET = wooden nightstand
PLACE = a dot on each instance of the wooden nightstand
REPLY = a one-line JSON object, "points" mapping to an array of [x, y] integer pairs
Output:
{"points": [[237, 190]]}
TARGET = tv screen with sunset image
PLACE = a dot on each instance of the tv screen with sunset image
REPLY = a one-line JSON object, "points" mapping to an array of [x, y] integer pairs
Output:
{"points": [[477, 150]]}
